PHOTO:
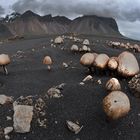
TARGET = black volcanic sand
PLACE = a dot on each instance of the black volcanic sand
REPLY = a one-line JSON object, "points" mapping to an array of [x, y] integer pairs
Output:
{"points": [[28, 76]]}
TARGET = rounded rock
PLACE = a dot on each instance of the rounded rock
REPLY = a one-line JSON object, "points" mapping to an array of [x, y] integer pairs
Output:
{"points": [[101, 61], [116, 105], [87, 59], [127, 64], [113, 84]]}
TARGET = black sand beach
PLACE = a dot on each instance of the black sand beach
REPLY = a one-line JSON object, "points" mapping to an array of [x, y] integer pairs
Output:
{"points": [[28, 76]]}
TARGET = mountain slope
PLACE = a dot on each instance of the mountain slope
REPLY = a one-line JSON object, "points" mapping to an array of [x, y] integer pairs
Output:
{"points": [[4, 31], [94, 25], [30, 23]]}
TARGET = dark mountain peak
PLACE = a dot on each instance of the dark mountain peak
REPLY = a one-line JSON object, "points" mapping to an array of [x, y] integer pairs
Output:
{"points": [[29, 14], [47, 18], [62, 19]]}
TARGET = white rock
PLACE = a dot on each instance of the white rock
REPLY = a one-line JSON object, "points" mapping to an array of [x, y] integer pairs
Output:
{"points": [[58, 40], [8, 118], [65, 65], [22, 118], [99, 82], [5, 99], [74, 127], [74, 48], [84, 48], [88, 78], [81, 83], [8, 130], [86, 42], [7, 137]]}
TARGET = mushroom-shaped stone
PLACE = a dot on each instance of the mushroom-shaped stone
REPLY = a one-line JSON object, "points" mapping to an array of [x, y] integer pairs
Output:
{"points": [[87, 60], [127, 64], [58, 40], [47, 61], [113, 63], [116, 105], [86, 42], [134, 85], [74, 48], [4, 60], [101, 61], [113, 84]]}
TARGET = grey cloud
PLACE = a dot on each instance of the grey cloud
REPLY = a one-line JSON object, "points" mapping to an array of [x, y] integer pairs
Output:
{"points": [[1, 10], [119, 9], [129, 29]]}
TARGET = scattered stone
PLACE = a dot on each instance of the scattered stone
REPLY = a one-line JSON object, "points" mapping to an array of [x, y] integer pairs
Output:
{"points": [[113, 84], [54, 93], [65, 65], [99, 82], [84, 48], [39, 108], [8, 130], [7, 137], [134, 85], [22, 118], [61, 86], [8, 118], [28, 100], [58, 40], [74, 48], [56, 122], [88, 78], [86, 42], [5, 99], [81, 83], [88, 49], [51, 40], [73, 127], [42, 123], [33, 50]]}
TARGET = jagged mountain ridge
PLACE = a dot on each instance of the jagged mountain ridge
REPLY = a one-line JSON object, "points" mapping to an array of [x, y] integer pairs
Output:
{"points": [[30, 23]]}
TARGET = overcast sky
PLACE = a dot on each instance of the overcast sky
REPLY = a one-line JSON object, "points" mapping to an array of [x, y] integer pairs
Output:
{"points": [[126, 12]]}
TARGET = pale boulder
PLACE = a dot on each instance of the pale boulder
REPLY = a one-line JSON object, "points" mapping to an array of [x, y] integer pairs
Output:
{"points": [[127, 64], [22, 118]]}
